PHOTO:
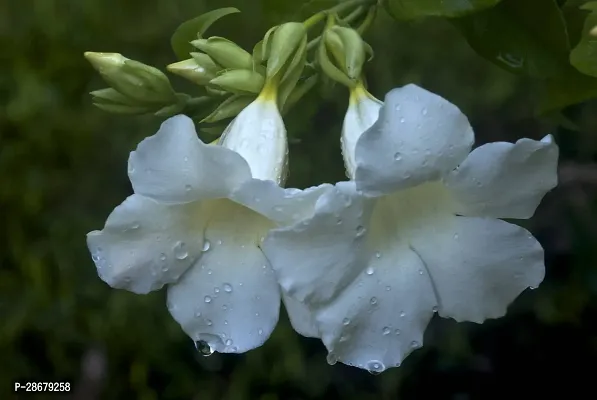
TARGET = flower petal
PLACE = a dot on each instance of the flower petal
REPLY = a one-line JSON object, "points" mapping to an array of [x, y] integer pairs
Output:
{"points": [[175, 166], [318, 257], [300, 317], [284, 206], [146, 244], [363, 111], [259, 135], [505, 180], [479, 266], [418, 137], [229, 298], [380, 318]]}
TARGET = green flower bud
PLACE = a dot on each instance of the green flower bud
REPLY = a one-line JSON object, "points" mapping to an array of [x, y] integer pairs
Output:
{"points": [[138, 81], [281, 45], [239, 81], [225, 52], [200, 69], [348, 52]]}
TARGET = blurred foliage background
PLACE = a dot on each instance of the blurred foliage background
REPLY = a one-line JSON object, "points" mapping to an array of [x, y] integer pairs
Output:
{"points": [[63, 169]]}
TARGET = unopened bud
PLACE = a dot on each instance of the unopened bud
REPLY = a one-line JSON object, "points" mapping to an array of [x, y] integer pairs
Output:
{"points": [[225, 52], [241, 81], [200, 69]]}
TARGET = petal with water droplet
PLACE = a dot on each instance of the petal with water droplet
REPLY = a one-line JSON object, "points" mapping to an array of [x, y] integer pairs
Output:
{"points": [[509, 179], [238, 312], [134, 259], [429, 145]]}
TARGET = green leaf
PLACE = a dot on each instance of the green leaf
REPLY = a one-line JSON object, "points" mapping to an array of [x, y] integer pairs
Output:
{"points": [[194, 28], [572, 89], [414, 9], [584, 55], [527, 37], [229, 108]]}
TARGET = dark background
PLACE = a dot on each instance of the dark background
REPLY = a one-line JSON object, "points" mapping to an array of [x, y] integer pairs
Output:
{"points": [[63, 170]]}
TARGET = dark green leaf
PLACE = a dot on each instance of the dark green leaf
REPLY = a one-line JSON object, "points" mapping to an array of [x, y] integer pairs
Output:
{"points": [[413, 9], [527, 37], [574, 88], [584, 55], [191, 29]]}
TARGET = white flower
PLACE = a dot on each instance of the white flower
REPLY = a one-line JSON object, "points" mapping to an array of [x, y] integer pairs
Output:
{"points": [[196, 222], [416, 232], [363, 110]]}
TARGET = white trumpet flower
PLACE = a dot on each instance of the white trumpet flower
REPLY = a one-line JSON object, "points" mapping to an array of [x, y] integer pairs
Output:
{"points": [[196, 221], [415, 232]]}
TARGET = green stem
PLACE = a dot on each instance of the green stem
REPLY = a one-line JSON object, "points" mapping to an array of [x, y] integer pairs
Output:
{"points": [[367, 21]]}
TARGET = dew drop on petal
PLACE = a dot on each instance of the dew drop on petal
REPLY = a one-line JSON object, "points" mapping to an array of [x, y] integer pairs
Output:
{"points": [[414, 344], [207, 299], [260, 332], [402, 120], [95, 257], [219, 242], [188, 188], [224, 307], [206, 245], [228, 342], [388, 288], [345, 321], [435, 309], [397, 156], [163, 257], [180, 251], [208, 322], [204, 348], [533, 287], [331, 358], [370, 271], [386, 330], [278, 208], [397, 332], [373, 300], [216, 290], [227, 288], [402, 314], [209, 272], [455, 236], [375, 367], [360, 231], [197, 313], [377, 254], [424, 111]]}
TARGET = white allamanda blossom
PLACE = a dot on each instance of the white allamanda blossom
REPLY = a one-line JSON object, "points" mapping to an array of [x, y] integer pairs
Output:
{"points": [[415, 232], [196, 221]]}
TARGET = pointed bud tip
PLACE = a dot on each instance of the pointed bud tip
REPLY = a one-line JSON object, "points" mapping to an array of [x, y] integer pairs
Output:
{"points": [[104, 60]]}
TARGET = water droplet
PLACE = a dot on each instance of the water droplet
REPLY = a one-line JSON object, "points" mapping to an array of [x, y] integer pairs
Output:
{"points": [[204, 348], [402, 120], [206, 245], [532, 287], [186, 159], [397, 332], [345, 321], [398, 107], [435, 309], [343, 338], [455, 236], [197, 313], [375, 367], [256, 314], [131, 169], [339, 221], [208, 322], [209, 272], [386, 330], [402, 314], [180, 251], [219, 242], [163, 257], [331, 359], [414, 344], [207, 299], [388, 288], [373, 300], [135, 225], [420, 272], [278, 209], [378, 255], [188, 188], [228, 342], [398, 156], [95, 257], [165, 268], [260, 332], [360, 230], [370, 271], [216, 290], [224, 307]]}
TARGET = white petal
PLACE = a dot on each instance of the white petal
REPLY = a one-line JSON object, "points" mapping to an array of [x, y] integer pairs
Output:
{"points": [[175, 166], [418, 137], [479, 266], [284, 206], [229, 298], [300, 317], [505, 180], [258, 134], [380, 318], [317, 258], [146, 244], [363, 111]]}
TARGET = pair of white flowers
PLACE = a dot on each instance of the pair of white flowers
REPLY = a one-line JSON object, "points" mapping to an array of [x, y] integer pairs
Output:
{"points": [[362, 264]]}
